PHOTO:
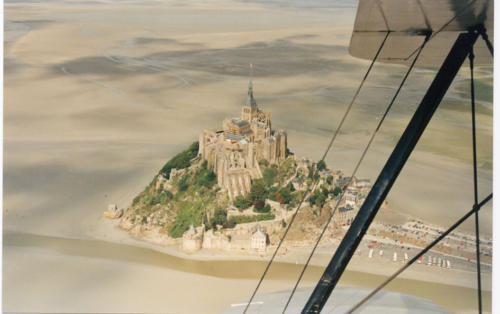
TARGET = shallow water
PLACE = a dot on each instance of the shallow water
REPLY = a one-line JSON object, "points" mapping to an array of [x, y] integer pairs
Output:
{"points": [[451, 297], [141, 80]]}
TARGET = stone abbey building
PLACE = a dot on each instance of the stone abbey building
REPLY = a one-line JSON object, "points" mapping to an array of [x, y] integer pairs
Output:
{"points": [[235, 151]]}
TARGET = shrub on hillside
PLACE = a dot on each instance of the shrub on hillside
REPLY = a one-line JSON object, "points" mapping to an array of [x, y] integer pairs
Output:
{"points": [[283, 223], [329, 179], [206, 178], [284, 195], [337, 190], [219, 218], [181, 160], [258, 205], [245, 219], [183, 183], [272, 193], [269, 175], [190, 213], [258, 191], [242, 202], [317, 198], [264, 209]]}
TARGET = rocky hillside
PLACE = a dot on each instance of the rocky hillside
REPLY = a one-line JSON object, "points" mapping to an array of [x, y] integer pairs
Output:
{"points": [[185, 192]]}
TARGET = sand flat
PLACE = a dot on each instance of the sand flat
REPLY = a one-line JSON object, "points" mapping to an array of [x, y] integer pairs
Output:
{"points": [[108, 277], [98, 96]]}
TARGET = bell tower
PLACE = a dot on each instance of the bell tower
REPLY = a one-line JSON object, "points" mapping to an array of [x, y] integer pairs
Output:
{"points": [[249, 110]]}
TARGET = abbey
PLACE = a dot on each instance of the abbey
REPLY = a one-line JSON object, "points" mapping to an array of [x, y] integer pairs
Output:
{"points": [[235, 151]]}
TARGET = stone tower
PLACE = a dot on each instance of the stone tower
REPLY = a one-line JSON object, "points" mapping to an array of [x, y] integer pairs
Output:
{"points": [[249, 110], [235, 151]]}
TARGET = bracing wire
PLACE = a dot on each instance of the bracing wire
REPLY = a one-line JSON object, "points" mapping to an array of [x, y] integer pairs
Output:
{"points": [[446, 25], [474, 162], [482, 32], [474, 209], [354, 172], [337, 131], [429, 36]]}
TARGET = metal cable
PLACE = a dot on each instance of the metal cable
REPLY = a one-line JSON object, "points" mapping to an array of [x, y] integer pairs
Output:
{"points": [[443, 27], [482, 32], [474, 161], [474, 209], [337, 131], [355, 171]]}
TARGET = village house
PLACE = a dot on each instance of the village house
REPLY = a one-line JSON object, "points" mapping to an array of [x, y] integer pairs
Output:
{"points": [[259, 239], [345, 215]]}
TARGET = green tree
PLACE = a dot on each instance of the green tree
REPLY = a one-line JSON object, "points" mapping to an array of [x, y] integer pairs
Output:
{"points": [[258, 191], [242, 202], [337, 190], [272, 193], [259, 204], [264, 209], [311, 172], [317, 198], [284, 196], [269, 175], [320, 200], [321, 165], [219, 218], [329, 179]]}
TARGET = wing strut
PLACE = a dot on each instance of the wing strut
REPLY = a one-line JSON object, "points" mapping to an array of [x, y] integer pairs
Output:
{"points": [[391, 170]]}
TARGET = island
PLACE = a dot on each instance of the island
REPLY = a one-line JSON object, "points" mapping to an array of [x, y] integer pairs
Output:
{"points": [[235, 190]]}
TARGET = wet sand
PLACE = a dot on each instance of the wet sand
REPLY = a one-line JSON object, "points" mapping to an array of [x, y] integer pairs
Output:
{"points": [[95, 268], [97, 97]]}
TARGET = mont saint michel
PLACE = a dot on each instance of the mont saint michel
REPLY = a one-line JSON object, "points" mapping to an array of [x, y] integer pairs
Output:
{"points": [[235, 190], [235, 151]]}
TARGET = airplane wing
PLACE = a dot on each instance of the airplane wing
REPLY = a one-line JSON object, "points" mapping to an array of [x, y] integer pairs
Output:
{"points": [[409, 20]]}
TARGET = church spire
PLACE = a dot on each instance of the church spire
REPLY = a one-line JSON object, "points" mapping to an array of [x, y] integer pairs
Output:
{"points": [[250, 100]]}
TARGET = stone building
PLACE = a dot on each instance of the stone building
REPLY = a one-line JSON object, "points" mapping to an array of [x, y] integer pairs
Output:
{"points": [[192, 239], [259, 239], [113, 212], [345, 215], [215, 242], [234, 151], [351, 197]]}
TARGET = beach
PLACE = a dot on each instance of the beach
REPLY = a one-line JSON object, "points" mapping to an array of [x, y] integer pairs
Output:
{"points": [[98, 96], [104, 276]]}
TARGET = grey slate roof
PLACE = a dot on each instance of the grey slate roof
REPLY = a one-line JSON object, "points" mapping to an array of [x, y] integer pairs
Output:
{"points": [[240, 123], [234, 136], [250, 100]]}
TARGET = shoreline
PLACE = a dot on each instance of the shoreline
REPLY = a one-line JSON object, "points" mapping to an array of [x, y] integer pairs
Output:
{"points": [[109, 231], [149, 268]]}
